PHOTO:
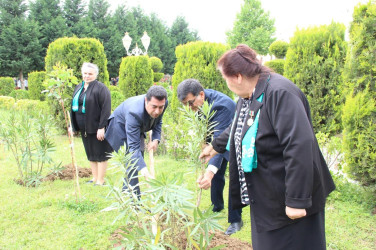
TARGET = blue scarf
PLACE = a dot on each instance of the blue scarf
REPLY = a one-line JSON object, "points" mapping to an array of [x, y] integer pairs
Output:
{"points": [[75, 104]]}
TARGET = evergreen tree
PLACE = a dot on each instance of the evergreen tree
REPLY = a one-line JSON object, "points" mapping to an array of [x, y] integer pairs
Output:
{"points": [[253, 27], [11, 9], [73, 12]]}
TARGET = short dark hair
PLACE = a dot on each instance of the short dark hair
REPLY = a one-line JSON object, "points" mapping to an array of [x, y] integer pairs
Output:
{"points": [[187, 86], [156, 91]]}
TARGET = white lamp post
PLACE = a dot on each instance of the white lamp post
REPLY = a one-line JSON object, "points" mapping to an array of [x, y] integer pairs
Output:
{"points": [[127, 40]]}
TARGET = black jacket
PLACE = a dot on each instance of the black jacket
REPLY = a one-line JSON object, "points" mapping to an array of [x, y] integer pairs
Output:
{"points": [[291, 170], [97, 105]]}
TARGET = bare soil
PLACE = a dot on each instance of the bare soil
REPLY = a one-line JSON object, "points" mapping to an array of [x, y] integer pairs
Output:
{"points": [[68, 173]]}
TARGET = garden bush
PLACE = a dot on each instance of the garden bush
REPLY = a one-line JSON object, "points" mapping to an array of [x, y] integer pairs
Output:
{"points": [[73, 52], [33, 107], [359, 112], [113, 88], [135, 75], [6, 86], [314, 62], [276, 65], [35, 82], [199, 60], [6, 102], [156, 66], [116, 99], [278, 49], [19, 94]]}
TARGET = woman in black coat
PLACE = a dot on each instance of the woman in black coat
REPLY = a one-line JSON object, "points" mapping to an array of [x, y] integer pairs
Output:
{"points": [[91, 107], [276, 165]]}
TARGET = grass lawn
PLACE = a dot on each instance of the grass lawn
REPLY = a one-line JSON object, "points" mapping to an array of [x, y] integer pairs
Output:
{"points": [[47, 217]]}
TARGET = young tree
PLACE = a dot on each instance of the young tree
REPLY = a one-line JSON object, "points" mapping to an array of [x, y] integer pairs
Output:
{"points": [[253, 26]]}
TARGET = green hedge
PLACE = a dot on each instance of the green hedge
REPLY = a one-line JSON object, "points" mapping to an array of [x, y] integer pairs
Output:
{"points": [[135, 75], [6, 86], [199, 60], [279, 49], [276, 65], [32, 106], [315, 61], [73, 52], [6, 102], [116, 99], [35, 81], [359, 112], [19, 94]]}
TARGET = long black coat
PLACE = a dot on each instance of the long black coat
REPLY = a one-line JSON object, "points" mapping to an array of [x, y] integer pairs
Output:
{"points": [[291, 170], [97, 105]]}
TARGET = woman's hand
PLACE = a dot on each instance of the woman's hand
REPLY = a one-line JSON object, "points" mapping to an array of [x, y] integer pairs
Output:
{"points": [[204, 181], [295, 213], [100, 134], [207, 153]]}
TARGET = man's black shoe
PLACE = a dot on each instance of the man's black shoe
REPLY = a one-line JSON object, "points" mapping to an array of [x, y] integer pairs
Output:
{"points": [[234, 227]]}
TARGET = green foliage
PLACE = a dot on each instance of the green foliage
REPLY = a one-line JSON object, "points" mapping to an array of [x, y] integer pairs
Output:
{"points": [[113, 88], [314, 62], [6, 86], [6, 102], [277, 65], [157, 76], [33, 107], [253, 26], [279, 49], [162, 214], [35, 81], [116, 99], [359, 112], [198, 60], [59, 83], [156, 66], [135, 76], [73, 52], [359, 123], [29, 140], [19, 94]]}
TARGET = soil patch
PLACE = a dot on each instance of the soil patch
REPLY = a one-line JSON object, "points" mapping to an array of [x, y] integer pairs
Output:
{"points": [[68, 173], [219, 239]]}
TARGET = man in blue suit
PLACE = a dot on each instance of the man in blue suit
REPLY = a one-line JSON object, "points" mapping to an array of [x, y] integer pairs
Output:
{"points": [[128, 125], [191, 92]]}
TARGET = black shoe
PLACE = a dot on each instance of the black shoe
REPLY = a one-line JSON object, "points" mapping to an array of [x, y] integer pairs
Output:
{"points": [[234, 227]]}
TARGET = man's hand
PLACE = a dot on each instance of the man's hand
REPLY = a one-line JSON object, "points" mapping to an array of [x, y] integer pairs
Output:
{"points": [[295, 213], [207, 153], [204, 181], [145, 172], [153, 145], [100, 134]]}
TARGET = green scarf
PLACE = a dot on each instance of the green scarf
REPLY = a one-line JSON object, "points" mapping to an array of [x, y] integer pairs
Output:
{"points": [[75, 105]]}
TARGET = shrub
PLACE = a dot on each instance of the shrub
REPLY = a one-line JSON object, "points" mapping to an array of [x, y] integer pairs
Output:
{"points": [[113, 88], [116, 99], [19, 94], [157, 76], [276, 65], [6, 86], [6, 102], [73, 52], [156, 64], [359, 112], [199, 60], [35, 81], [314, 62], [135, 75], [33, 107], [279, 49]]}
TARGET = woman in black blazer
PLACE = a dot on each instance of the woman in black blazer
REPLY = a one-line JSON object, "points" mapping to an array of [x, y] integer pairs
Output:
{"points": [[91, 107], [276, 165]]}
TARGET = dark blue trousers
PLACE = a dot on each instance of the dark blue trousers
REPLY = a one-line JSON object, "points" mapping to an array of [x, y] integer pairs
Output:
{"points": [[216, 195], [132, 181]]}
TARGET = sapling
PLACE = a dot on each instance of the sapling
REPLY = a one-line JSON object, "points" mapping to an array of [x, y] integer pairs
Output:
{"points": [[59, 79], [201, 128]]}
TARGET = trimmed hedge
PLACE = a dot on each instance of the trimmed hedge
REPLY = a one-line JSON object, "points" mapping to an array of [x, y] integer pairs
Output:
{"points": [[156, 66], [116, 99], [276, 65], [32, 106], [135, 75], [7, 102], [6, 86], [279, 49], [73, 52], [19, 94], [36, 86]]}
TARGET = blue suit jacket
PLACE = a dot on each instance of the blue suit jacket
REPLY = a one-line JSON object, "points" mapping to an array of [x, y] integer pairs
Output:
{"points": [[128, 123], [225, 111]]}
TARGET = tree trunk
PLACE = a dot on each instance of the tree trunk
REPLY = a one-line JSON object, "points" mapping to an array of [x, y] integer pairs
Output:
{"points": [[20, 76]]}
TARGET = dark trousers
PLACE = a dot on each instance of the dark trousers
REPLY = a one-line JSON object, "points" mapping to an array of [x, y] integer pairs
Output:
{"points": [[131, 182], [216, 195]]}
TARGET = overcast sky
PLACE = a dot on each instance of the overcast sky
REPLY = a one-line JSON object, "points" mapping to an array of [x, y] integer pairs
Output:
{"points": [[212, 18]]}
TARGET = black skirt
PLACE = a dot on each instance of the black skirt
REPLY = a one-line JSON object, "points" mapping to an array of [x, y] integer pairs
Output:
{"points": [[308, 233], [95, 149]]}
